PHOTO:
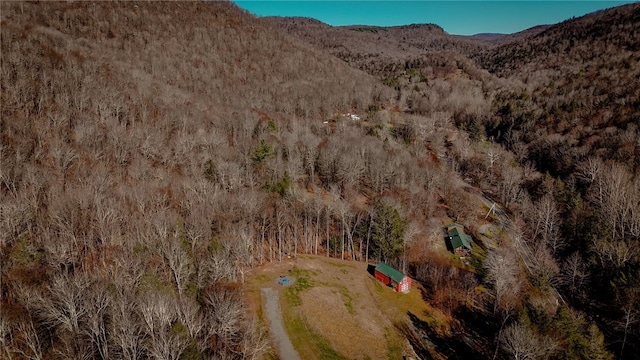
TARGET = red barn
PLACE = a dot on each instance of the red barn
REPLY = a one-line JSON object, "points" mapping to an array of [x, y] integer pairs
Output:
{"points": [[393, 278]]}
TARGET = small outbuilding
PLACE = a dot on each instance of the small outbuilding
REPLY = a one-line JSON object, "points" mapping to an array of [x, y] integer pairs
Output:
{"points": [[458, 242], [392, 278]]}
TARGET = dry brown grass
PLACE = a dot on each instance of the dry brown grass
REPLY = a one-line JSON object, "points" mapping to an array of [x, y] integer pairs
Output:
{"points": [[344, 305], [341, 309]]}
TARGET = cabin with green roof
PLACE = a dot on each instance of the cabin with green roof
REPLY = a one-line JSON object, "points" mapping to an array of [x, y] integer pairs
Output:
{"points": [[392, 278], [458, 242]]}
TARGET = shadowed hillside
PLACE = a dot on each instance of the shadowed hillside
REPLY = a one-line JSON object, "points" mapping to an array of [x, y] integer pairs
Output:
{"points": [[607, 33], [577, 120], [581, 96]]}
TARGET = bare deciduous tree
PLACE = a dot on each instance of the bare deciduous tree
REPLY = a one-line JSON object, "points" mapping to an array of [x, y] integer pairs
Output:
{"points": [[546, 223], [30, 344], [614, 253], [254, 342], [574, 273], [504, 274], [411, 231], [545, 265], [590, 170], [177, 260], [617, 195], [521, 343], [126, 330], [630, 317], [509, 189], [159, 311], [65, 311], [97, 302], [191, 316], [223, 316], [5, 338]]}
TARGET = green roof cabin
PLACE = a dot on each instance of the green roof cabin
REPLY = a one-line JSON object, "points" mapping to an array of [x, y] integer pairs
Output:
{"points": [[392, 278], [458, 242]]}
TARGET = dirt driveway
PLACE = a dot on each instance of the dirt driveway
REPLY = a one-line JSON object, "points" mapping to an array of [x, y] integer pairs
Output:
{"points": [[279, 336]]}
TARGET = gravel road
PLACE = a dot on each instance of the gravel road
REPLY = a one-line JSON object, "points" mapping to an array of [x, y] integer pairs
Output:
{"points": [[278, 334]]}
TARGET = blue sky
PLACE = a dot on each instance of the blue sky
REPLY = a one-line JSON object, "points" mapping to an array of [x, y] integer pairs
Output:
{"points": [[456, 17]]}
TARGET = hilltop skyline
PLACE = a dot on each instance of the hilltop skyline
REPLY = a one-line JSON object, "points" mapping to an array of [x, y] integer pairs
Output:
{"points": [[455, 17]]}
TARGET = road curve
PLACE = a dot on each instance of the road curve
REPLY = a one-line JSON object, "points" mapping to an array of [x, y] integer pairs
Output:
{"points": [[279, 337]]}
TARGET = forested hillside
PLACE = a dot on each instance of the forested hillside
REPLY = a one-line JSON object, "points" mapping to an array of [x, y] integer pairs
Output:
{"points": [[386, 52], [564, 102], [150, 153], [577, 121], [153, 154], [582, 96]]}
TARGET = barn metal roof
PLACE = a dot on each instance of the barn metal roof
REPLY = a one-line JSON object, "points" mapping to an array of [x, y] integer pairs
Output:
{"points": [[390, 272], [459, 238]]}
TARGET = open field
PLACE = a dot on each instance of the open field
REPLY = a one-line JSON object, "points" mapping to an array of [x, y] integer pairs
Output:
{"points": [[336, 309]]}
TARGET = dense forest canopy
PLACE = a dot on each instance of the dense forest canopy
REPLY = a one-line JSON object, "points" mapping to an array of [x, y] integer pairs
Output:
{"points": [[153, 154]]}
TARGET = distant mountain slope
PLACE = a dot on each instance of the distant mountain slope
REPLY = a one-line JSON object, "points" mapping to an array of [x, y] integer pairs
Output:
{"points": [[224, 53], [500, 39], [488, 37], [582, 77], [393, 54], [399, 40], [603, 33], [358, 45], [425, 37]]}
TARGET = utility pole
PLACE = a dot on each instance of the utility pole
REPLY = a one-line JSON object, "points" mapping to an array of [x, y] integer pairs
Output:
{"points": [[491, 209]]}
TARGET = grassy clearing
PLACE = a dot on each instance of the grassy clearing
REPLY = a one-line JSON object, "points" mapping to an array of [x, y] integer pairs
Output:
{"points": [[254, 284], [347, 298], [395, 344], [302, 282], [309, 344], [344, 268], [476, 260], [262, 278], [336, 310], [397, 305], [490, 214], [253, 300], [337, 264]]}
